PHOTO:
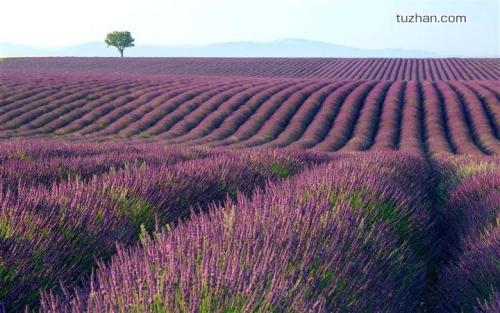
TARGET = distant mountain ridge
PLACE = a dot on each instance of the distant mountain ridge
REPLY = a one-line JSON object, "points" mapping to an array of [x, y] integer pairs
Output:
{"points": [[277, 48]]}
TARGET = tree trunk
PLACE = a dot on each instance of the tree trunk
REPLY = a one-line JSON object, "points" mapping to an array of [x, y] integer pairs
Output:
{"points": [[121, 53]]}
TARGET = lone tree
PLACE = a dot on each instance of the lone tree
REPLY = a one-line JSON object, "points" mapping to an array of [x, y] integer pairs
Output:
{"points": [[120, 40]]}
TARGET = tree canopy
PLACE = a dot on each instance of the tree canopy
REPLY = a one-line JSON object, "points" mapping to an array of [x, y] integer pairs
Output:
{"points": [[120, 40]]}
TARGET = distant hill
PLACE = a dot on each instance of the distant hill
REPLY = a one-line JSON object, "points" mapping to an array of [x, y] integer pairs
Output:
{"points": [[278, 48]]}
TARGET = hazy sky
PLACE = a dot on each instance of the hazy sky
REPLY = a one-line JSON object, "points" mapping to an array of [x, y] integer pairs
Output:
{"points": [[358, 23]]}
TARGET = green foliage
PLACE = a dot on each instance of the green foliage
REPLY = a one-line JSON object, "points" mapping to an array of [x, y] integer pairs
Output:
{"points": [[137, 210], [120, 40], [146, 134], [280, 170], [157, 306], [325, 278], [376, 210], [83, 257], [267, 138], [91, 97], [179, 301], [206, 305], [6, 230], [6, 279]]}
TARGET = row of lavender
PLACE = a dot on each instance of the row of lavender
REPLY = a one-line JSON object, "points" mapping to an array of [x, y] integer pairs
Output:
{"points": [[469, 275], [331, 68], [335, 238], [53, 229], [353, 235], [419, 117], [32, 163], [358, 234]]}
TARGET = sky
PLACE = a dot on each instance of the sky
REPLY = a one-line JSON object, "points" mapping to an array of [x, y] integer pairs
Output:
{"points": [[369, 24]]}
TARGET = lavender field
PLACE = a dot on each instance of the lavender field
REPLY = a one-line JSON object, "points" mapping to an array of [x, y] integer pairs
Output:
{"points": [[249, 185]]}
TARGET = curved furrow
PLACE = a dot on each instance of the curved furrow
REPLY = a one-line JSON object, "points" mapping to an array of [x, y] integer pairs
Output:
{"points": [[183, 110], [140, 103], [232, 123], [74, 113], [304, 116], [317, 130], [387, 136], [27, 98], [482, 130], [154, 114], [24, 92], [17, 108], [64, 122], [9, 90], [89, 113], [437, 141], [109, 118], [442, 120], [138, 113], [281, 117], [367, 125], [194, 118], [343, 126], [411, 140], [460, 131], [213, 118], [492, 87], [254, 122], [59, 111], [18, 117], [489, 102]]}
